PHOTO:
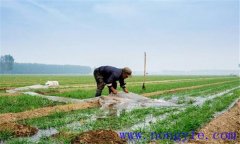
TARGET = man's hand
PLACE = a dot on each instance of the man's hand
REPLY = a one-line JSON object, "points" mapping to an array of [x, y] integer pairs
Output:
{"points": [[125, 90], [114, 91]]}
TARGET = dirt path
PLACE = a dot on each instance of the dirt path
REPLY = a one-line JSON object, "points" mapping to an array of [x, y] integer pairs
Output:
{"points": [[11, 117], [181, 89], [226, 122], [9, 94]]}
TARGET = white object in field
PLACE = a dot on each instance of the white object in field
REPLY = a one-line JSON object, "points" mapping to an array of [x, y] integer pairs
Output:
{"points": [[52, 83]]}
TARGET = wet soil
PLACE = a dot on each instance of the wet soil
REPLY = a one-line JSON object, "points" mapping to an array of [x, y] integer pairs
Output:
{"points": [[98, 137]]}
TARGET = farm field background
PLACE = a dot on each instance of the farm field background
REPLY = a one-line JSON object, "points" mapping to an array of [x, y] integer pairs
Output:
{"points": [[199, 99]]}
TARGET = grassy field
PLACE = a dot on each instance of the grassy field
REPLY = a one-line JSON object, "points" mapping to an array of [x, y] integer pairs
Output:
{"points": [[25, 80], [186, 118]]}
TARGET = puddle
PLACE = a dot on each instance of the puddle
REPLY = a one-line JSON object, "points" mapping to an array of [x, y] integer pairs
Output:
{"points": [[74, 125], [43, 133], [147, 121], [182, 100], [81, 124], [150, 119]]}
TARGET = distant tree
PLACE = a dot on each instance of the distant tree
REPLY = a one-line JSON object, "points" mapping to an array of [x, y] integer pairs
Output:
{"points": [[6, 63]]}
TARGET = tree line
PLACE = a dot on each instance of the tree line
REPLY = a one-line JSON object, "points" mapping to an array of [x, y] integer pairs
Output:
{"points": [[8, 66]]}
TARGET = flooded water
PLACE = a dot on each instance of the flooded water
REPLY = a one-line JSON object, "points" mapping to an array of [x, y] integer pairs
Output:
{"points": [[43, 133], [74, 125], [201, 100], [150, 119], [198, 100]]}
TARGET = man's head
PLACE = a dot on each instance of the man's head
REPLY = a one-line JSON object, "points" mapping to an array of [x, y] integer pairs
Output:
{"points": [[126, 72]]}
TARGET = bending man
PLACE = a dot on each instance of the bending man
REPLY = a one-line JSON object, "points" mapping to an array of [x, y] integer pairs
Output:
{"points": [[108, 75]]}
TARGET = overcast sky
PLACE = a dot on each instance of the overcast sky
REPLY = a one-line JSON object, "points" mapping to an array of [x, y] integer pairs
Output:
{"points": [[176, 34]]}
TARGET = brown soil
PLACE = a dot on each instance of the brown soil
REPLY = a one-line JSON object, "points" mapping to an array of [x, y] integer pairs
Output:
{"points": [[226, 122], [98, 137], [67, 135], [10, 94], [18, 130], [4, 88], [181, 89], [59, 90], [11, 117], [44, 92]]}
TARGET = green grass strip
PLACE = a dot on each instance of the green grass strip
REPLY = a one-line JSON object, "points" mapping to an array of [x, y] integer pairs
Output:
{"points": [[22, 103]]}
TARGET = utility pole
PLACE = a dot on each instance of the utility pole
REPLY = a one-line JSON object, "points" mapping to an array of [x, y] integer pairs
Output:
{"points": [[144, 75]]}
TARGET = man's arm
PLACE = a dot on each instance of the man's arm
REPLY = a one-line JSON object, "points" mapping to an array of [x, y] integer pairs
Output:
{"points": [[109, 84], [122, 84]]}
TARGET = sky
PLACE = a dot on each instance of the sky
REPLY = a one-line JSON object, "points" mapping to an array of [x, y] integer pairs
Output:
{"points": [[175, 34]]}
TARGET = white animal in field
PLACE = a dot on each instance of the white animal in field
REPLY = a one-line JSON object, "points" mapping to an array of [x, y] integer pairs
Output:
{"points": [[52, 83]]}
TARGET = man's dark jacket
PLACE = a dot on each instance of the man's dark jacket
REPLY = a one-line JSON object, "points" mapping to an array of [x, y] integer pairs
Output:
{"points": [[111, 74]]}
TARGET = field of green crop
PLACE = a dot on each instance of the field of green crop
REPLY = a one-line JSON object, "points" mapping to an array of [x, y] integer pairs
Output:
{"points": [[216, 93]]}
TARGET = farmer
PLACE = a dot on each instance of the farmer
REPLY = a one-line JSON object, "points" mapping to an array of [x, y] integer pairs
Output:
{"points": [[108, 75]]}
